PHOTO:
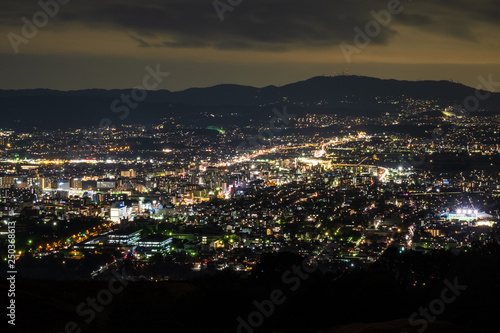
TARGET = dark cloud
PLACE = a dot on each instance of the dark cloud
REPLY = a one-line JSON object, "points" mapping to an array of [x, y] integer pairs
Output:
{"points": [[275, 25], [417, 20]]}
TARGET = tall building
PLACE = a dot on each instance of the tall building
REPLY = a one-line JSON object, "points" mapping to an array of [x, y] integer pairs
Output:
{"points": [[129, 174]]}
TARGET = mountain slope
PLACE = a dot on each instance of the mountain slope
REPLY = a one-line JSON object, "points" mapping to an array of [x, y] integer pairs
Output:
{"points": [[51, 109]]}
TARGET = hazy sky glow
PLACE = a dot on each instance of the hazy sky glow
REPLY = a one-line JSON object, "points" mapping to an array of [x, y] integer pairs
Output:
{"points": [[108, 43]]}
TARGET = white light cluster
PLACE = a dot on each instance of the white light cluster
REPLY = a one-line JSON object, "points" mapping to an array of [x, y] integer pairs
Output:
{"points": [[467, 211]]}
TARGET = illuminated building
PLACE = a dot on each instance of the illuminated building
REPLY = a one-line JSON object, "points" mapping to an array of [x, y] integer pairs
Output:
{"points": [[467, 214]]}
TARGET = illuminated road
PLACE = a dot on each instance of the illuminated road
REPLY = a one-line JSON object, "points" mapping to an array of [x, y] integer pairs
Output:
{"points": [[102, 269], [318, 153], [248, 157]]}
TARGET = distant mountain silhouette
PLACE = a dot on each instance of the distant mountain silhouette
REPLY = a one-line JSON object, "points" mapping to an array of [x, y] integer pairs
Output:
{"points": [[51, 109]]}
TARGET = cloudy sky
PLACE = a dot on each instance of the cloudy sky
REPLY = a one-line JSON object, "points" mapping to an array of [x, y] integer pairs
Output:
{"points": [[108, 43]]}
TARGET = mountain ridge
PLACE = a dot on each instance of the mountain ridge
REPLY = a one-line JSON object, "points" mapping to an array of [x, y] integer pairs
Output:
{"points": [[46, 108]]}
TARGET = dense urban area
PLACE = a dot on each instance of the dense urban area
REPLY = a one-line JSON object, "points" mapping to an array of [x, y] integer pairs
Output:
{"points": [[181, 201], [204, 199]]}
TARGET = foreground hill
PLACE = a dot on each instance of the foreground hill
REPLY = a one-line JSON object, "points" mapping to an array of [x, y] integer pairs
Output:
{"points": [[379, 299]]}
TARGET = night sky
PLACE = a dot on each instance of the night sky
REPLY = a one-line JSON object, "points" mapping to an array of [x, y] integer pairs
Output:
{"points": [[108, 43]]}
